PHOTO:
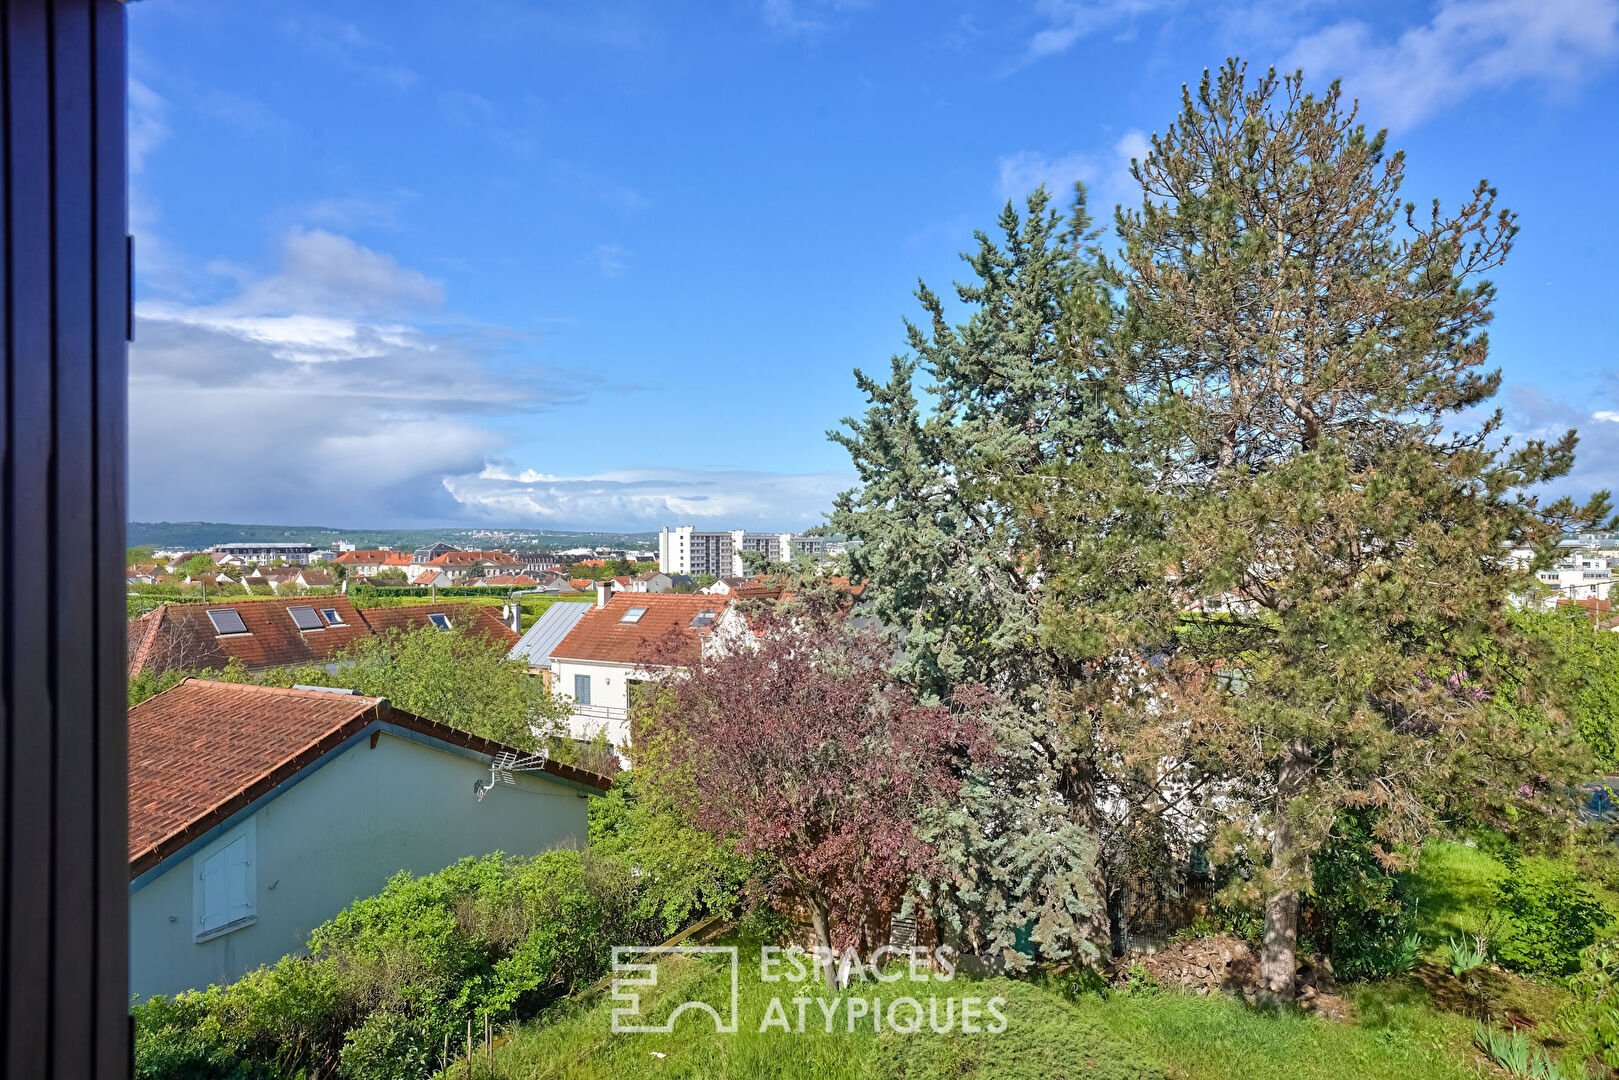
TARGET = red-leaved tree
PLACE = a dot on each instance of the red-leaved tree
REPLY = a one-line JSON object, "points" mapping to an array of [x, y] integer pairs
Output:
{"points": [[795, 742]]}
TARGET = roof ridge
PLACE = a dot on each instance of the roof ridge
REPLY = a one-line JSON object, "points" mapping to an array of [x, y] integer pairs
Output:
{"points": [[291, 691]]}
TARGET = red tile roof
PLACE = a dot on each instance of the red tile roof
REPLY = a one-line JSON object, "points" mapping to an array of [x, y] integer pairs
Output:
{"points": [[470, 558], [203, 750], [509, 579], [374, 557], [483, 618], [181, 636], [602, 635]]}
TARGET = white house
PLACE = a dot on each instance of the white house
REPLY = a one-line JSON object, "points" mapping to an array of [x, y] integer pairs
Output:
{"points": [[1582, 575], [256, 814], [618, 643], [369, 562], [652, 581]]}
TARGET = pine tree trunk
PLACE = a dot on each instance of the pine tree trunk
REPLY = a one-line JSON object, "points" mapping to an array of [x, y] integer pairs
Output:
{"points": [[1289, 869], [1096, 926]]}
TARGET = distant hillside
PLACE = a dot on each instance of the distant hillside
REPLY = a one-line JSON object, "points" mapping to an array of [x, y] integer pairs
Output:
{"points": [[195, 535]]}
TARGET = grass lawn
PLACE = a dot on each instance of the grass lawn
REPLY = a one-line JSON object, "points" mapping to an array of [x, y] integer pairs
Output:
{"points": [[1047, 1036], [1455, 884], [1417, 1027]]}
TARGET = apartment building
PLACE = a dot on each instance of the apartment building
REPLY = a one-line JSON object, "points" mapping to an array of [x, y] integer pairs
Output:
{"points": [[1582, 575], [684, 550], [265, 552]]}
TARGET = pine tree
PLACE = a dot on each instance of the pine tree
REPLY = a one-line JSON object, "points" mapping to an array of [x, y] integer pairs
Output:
{"points": [[1304, 358], [946, 561]]}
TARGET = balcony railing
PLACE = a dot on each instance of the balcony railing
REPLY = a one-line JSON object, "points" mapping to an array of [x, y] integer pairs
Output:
{"points": [[599, 712]]}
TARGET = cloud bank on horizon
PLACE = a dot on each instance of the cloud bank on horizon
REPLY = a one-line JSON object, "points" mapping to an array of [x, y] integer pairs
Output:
{"points": [[329, 370]]}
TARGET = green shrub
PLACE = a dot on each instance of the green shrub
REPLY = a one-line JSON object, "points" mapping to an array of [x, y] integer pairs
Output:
{"points": [[683, 870], [1593, 1015], [1548, 918], [389, 1044], [1366, 912], [394, 974]]}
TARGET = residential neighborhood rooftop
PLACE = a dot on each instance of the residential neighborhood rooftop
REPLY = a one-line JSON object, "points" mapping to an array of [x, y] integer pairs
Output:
{"points": [[202, 750], [631, 627], [541, 639], [284, 631]]}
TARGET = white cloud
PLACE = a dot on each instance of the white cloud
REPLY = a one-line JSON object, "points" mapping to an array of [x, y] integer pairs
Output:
{"points": [[1068, 21], [148, 123], [1106, 175], [1532, 414], [1026, 170], [324, 272], [610, 259], [804, 18], [361, 211], [343, 42], [319, 393], [1468, 46], [647, 498]]}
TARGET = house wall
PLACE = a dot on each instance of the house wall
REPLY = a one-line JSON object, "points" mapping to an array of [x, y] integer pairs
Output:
{"points": [[609, 697], [337, 835]]}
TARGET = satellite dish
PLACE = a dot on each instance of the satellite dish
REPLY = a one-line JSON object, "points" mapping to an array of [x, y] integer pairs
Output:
{"points": [[505, 765]]}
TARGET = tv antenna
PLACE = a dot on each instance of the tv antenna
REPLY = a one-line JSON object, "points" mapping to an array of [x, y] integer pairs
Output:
{"points": [[505, 765]]}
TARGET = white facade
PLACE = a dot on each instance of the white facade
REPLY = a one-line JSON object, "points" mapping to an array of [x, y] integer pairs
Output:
{"points": [[598, 692], [252, 890], [266, 551], [1584, 575], [684, 550]]}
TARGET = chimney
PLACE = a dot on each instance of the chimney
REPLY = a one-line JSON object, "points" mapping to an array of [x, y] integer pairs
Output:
{"points": [[601, 594]]}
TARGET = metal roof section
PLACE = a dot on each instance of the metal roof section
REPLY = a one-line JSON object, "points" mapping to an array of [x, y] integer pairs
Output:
{"points": [[534, 649]]}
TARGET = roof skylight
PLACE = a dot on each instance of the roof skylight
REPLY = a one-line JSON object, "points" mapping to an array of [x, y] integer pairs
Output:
{"points": [[633, 615], [226, 621], [305, 618]]}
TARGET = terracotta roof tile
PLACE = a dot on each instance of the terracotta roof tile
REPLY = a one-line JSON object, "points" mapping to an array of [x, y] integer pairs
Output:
{"points": [[202, 750], [470, 558], [603, 635], [182, 635], [374, 557], [484, 619]]}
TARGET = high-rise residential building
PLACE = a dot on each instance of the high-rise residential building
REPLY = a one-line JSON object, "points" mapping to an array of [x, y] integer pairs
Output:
{"points": [[684, 550]]}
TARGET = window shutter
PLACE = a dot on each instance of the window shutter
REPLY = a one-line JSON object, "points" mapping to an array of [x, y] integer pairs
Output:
{"points": [[581, 689], [214, 900], [239, 879]]}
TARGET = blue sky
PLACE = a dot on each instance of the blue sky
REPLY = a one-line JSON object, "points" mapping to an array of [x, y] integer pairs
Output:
{"points": [[610, 265]]}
